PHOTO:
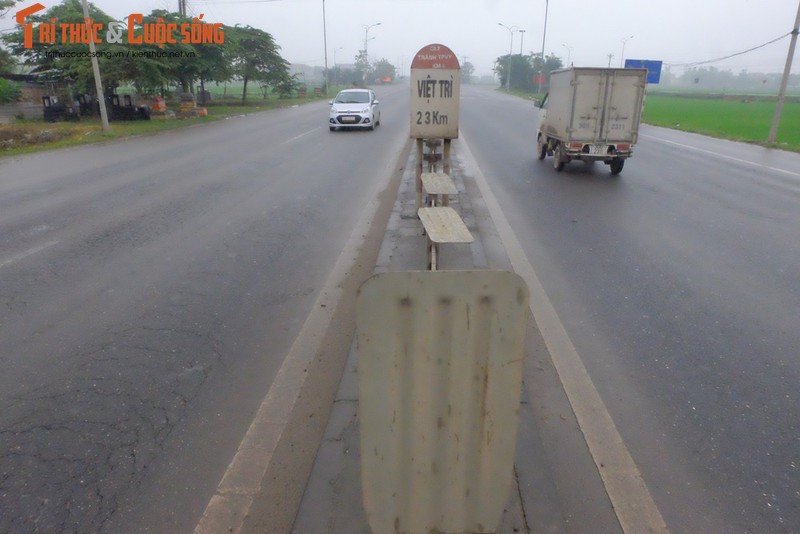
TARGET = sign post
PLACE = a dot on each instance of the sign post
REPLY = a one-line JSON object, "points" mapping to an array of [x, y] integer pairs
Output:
{"points": [[435, 95]]}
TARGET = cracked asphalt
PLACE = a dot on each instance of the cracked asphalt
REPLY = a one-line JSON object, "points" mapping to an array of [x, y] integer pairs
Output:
{"points": [[149, 290]]}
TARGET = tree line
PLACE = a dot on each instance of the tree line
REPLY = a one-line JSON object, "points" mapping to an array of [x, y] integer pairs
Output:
{"points": [[528, 72], [245, 53]]}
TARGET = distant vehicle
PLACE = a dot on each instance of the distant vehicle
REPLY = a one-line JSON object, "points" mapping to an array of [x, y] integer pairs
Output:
{"points": [[383, 81], [591, 114], [354, 108]]}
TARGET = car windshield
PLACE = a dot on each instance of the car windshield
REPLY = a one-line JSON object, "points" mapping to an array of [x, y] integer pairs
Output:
{"points": [[355, 97]]}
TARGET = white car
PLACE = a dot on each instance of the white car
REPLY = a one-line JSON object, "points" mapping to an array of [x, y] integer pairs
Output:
{"points": [[354, 108]]}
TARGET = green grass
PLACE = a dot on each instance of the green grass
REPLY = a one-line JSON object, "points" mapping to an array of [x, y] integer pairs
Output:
{"points": [[26, 137], [739, 119]]}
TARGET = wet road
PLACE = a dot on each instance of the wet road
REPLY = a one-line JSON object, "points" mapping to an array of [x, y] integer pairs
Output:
{"points": [[149, 290], [679, 284]]}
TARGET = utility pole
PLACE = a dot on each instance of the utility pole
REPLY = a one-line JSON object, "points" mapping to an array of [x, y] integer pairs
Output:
{"points": [[325, 45], [521, 38], [776, 119], [544, 36], [98, 83], [182, 7]]}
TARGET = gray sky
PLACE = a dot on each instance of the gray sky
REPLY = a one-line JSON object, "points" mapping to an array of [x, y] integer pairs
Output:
{"points": [[676, 31]]}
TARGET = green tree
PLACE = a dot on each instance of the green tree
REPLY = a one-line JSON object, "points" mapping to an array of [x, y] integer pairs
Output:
{"points": [[551, 63], [382, 69], [362, 66], [5, 7], [7, 61], [467, 70], [178, 62], [254, 57], [61, 60], [156, 66], [521, 72]]}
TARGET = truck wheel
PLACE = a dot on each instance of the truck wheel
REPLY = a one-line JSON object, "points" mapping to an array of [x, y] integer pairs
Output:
{"points": [[541, 147], [558, 158], [616, 166]]}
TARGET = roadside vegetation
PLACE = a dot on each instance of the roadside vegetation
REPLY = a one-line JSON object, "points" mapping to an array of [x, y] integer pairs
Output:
{"points": [[739, 118], [228, 70], [29, 136]]}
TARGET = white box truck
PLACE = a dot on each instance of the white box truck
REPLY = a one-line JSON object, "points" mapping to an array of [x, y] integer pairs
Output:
{"points": [[591, 114]]}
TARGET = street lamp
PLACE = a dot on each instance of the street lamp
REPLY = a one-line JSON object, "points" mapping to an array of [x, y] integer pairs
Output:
{"points": [[521, 38], [622, 56], [544, 35], [511, 31], [366, 39], [569, 53]]}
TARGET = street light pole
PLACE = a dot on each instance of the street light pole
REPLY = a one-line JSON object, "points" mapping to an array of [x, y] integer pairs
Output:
{"points": [[325, 45], [511, 31], [366, 38], [569, 53], [544, 36], [622, 57], [776, 119], [521, 38]]}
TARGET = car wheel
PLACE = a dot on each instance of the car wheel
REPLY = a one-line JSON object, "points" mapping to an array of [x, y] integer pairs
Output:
{"points": [[332, 128]]}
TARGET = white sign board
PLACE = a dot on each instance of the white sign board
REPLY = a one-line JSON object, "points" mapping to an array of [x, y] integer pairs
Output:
{"points": [[435, 93]]}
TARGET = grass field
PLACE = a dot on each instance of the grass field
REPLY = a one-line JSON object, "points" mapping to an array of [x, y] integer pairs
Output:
{"points": [[737, 119], [32, 136]]}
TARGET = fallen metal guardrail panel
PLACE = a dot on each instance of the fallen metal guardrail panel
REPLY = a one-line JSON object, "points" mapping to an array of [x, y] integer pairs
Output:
{"points": [[439, 374]]}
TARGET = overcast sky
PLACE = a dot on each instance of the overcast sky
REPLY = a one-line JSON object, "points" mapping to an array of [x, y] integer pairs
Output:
{"points": [[677, 32]]}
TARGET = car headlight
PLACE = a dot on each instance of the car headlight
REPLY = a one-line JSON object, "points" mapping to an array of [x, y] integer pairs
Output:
{"points": [[365, 110]]}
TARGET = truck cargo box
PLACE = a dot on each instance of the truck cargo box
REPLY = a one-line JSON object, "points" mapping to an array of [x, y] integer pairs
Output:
{"points": [[592, 114]]}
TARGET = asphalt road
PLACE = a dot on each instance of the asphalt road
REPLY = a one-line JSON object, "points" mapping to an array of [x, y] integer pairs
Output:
{"points": [[149, 290], [679, 284]]}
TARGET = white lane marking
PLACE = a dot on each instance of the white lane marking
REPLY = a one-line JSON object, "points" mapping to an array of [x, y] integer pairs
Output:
{"points": [[29, 252], [635, 508], [717, 154], [230, 505], [296, 137]]}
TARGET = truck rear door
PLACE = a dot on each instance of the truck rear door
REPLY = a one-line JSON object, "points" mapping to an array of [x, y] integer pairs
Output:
{"points": [[624, 95], [589, 95]]}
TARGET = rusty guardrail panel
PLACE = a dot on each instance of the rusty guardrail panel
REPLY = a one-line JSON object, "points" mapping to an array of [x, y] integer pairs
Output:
{"points": [[439, 375]]}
